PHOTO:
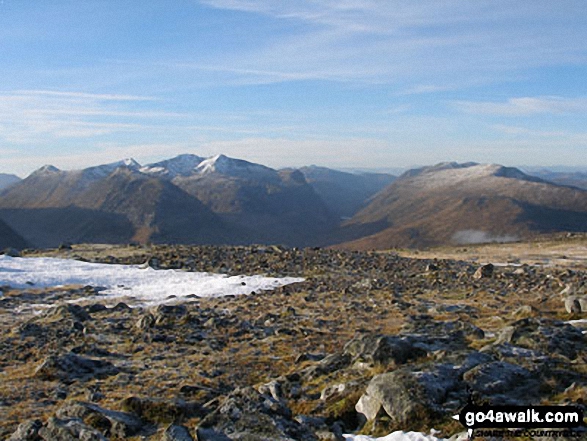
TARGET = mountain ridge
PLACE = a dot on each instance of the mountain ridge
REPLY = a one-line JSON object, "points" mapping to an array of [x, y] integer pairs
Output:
{"points": [[432, 205]]}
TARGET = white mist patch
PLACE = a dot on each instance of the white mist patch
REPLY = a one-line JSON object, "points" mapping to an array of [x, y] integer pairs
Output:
{"points": [[144, 284], [395, 436], [470, 237]]}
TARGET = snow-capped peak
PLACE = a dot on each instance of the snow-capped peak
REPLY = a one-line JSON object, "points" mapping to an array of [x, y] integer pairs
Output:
{"points": [[182, 165], [101, 171], [234, 167], [47, 169]]}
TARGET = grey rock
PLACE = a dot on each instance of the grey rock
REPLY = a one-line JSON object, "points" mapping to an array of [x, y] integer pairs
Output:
{"points": [[67, 311], [147, 321], [70, 367], [406, 395], [369, 406], [176, 433], [11, 252], [383, 349], [572, 305], [249, 415], [27, 431], [544, 335], [69, 430], [327, 365], [111, 423], [484, 271], [272, 388], [503, 382]]}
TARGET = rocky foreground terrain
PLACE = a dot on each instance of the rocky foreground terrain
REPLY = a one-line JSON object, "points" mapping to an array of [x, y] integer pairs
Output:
{"points": [[370, 342]]}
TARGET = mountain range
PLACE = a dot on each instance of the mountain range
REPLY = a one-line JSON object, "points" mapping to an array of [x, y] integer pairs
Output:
{"points": [[221, 200], [186, 199]]}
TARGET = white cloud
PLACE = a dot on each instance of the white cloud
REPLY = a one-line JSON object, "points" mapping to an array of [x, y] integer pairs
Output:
{"points": [[524, 106], [32, 116]]}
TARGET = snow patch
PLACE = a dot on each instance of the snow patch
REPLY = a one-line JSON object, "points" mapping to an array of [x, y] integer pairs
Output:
{"points": [[234, 167], [469, 237], [395, 436], [147, 285]]}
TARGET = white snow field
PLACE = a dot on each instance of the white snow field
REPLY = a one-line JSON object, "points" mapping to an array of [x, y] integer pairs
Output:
{"points": [[146, 285]]}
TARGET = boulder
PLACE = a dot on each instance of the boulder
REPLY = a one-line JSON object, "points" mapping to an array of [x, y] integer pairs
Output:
{"points": [[71, 367], [111, 423], [249, 415], [378, 349], [503, 383], [64, 312], [546, 336], [176, 433], [69, 430], [27, 431], [11, 252], [484, 271], [408, 396]]}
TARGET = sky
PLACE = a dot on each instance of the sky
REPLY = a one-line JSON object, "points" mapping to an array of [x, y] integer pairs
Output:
{"points": [[339, 83]]}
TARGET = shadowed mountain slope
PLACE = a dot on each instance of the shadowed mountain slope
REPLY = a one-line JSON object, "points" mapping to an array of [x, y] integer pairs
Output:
{"points": [[110, 204], [345, 193], [269, 206], [10, 238]]}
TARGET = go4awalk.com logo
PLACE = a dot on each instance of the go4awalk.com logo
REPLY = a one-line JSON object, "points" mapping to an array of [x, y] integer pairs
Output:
{"points": [[513, 421]]}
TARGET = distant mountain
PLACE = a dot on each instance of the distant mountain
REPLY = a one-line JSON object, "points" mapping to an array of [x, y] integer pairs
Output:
{"points": [[112, 203], [10, 238], [464, 203], [345, 193], [574, 179], [268, 206], [7, 179]]}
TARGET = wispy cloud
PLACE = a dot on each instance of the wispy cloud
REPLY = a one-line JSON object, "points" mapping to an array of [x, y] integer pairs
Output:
{"points": [[424, 42], [34, 115], [83, 95], [524, 106]]}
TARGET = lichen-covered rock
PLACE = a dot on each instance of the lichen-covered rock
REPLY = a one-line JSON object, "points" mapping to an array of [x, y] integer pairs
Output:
{"points": [[498, 378], [249, 415], [67, 311], [407, 395], [383, 349], [27, 431], [111, 423], [545, 335], [69, 430], [330, 363]]}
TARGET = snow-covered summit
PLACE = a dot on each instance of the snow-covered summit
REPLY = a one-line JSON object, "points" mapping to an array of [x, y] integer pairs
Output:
{"points": [[452, 173], [234, 167], [46, 169], [182, 165], [101, 171]]}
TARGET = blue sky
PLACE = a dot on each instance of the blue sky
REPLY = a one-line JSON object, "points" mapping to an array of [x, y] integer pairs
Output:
{"points": [[339, 83]]}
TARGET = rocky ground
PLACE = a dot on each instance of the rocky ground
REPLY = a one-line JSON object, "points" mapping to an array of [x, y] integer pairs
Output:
{"points": [[370, 342]]}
